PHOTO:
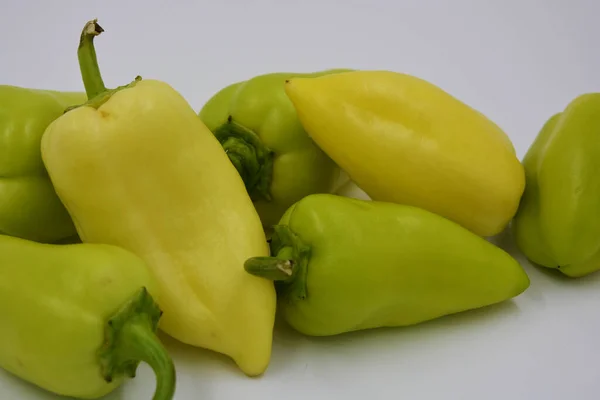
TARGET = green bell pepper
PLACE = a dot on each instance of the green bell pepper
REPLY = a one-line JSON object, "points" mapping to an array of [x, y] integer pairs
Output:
{"points": [[558, 221], [343, 264], [29, 206], [78, 319], [258, 127]]}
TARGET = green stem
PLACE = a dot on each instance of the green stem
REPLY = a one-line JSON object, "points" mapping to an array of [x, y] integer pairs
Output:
{"points": [[244, 158], [138, 342], [273, 268], [96, 91], [289, 268], [252, 159], [88, 63], [130, 337]]}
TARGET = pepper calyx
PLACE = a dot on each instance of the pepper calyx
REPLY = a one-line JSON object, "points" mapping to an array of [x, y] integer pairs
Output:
{"points": [[252, 159], [288, 268], [129, 338]]}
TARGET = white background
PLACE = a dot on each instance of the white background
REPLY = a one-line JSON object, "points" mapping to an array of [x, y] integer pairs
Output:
{"points": [[516, 61]]}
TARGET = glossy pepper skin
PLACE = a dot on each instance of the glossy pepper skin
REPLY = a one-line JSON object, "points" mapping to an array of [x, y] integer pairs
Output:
{"points": [[557, 225], [29, 206], [344, 264], [258, 128], [77, 319], [137, 168], [404, 140]]}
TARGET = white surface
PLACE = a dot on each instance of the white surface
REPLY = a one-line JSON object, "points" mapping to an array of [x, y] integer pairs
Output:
{"points": [[516, 61]]}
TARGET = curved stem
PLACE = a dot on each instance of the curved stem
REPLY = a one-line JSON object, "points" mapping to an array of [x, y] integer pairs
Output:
{"points": [[130, 337], [139, 343], [88, 63], [97, 92]]}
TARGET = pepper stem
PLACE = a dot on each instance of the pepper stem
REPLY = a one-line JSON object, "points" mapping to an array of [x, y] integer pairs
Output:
{"points": [[138, 342], [252, 159], [289, 267], [130, 337], [272, 268], [88, 63], [97, 92]]}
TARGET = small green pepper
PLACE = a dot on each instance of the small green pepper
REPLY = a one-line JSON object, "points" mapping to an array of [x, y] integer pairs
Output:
{"points": [[258, 127], [77, 319], [29, 206], [345, 264], [557, 225]]}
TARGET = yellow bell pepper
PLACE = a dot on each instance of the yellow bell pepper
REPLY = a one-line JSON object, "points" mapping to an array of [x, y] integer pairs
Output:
{"points": [[136, 168], [402, 139]]}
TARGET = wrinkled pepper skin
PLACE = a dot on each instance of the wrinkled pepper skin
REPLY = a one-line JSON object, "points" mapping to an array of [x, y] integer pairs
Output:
{"points": [[344, 264], [259, 129], [29, 206], [137, 168], [558, 222], [77, 319], [404, 140]]}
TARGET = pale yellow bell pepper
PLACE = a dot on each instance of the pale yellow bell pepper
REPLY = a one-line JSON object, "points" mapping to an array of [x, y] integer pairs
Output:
{"points": [[402, 139], [136, 168]]}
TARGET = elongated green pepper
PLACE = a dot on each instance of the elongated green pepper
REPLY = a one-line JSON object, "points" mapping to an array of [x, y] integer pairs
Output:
{"points": [[259, 129], [29, 206], [77, 319], [343, 264], [558, 221]]}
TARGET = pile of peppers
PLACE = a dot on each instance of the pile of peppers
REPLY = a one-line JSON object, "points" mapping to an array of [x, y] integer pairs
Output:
{"points": [[125, 211]]}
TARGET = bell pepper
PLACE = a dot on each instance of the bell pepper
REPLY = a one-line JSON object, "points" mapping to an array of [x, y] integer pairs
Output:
{"points": [[404, 140], [78, 319], [258, 128], [137, 168], [343, 264], [557, 222], [29, 207]]}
